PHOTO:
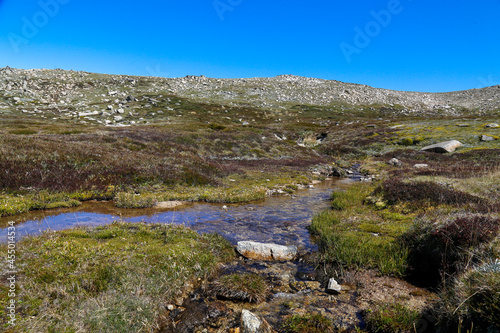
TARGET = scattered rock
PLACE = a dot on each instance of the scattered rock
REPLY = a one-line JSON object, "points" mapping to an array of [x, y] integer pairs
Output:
{"points": [[333, 287], [492, 125], [250, 323], [329, 171], [421, 166], [266, 251], [394, 161], [463, 125], [487, 138], [169, 204], [443, 147]]}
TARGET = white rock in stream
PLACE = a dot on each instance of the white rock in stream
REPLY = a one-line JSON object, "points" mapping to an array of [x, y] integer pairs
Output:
{"points": [[266, 251], [250, 323], [333, 286]]}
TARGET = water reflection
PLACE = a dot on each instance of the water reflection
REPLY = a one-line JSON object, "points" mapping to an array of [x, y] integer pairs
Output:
{"points": [[281, 220]]}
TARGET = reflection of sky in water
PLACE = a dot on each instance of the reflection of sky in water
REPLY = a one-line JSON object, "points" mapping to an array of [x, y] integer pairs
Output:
{"points": [[281, 220]]}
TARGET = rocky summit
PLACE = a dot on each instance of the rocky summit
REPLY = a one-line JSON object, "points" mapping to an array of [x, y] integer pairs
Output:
{"points": [[119, 100]]}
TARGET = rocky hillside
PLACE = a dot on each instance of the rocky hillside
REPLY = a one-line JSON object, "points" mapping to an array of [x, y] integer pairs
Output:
{"points": [[128, 100]]}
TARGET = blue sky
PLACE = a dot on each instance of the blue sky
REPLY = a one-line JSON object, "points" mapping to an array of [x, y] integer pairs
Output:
{"points": [[417, 45]]}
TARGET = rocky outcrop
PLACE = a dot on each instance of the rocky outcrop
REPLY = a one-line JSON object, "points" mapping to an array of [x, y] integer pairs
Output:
{"points": [[443, 147], [394, 161], [487, 138], [266, 251], [421, 166]]}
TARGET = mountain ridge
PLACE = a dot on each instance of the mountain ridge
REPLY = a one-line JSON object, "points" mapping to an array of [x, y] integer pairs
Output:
{"points": [[76, 93]]}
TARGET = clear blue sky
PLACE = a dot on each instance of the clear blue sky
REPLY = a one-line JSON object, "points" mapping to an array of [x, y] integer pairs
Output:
{"points": [[422, 45]]}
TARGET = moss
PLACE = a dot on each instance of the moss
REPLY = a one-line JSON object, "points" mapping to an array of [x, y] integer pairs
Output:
{"points": [[122, 271], [308, 323], [407, 141]]}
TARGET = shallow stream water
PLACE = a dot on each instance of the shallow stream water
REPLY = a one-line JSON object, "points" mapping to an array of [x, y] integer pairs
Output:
{"points": [[281, 220]]}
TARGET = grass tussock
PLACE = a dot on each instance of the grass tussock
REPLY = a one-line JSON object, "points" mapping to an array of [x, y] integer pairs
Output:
{"points": [[472, 302], [133, 200], [108, 279], [241, 287], [391, 318]]}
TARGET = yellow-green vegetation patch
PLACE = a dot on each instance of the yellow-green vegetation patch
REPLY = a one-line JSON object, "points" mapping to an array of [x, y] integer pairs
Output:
{"points": [[12, 205], [426, 132], [355, 235], [107, 279], [133, 200], [237, 188]]}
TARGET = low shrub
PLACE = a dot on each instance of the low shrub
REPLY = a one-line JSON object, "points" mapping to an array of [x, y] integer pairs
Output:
{"points": [[440, 250], [407, 141], [426, 192]]}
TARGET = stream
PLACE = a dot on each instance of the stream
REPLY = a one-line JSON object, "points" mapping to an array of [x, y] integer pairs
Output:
{"points": [[278, 219], [295, 286]]}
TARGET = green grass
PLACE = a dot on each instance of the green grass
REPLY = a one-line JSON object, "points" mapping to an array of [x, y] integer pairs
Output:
{"points": [[391, 318], [358, 236], [472, 302], [13, 205], [132, 200], [108, 279]]}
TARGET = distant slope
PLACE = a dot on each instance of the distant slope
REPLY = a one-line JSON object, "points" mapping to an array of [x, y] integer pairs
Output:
{"points": [[121, 99]]}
